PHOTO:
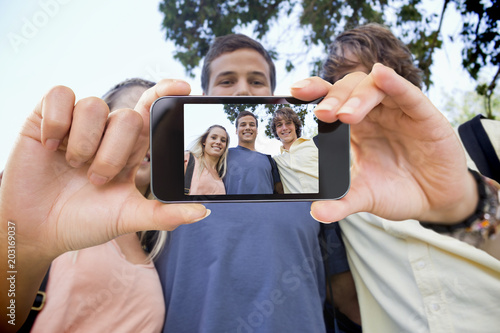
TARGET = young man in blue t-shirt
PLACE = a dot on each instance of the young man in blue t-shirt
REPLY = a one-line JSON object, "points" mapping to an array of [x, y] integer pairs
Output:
{"points": [[249, 267], [248, 171]]}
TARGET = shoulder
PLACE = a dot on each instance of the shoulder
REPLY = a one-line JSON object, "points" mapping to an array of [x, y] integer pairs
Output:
{"points": [[301, 141], [304, 143], [187, 155], [189, 158]]}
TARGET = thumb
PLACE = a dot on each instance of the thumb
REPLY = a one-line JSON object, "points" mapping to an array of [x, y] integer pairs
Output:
{"points": [[143, 214], [335, 210]]}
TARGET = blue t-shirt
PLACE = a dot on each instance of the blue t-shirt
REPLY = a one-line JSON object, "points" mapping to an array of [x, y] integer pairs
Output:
{"points": [[250, 172], [248, 267]]}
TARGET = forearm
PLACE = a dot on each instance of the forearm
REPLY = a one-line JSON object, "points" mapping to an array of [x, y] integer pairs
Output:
{"points": [[341, 292]]}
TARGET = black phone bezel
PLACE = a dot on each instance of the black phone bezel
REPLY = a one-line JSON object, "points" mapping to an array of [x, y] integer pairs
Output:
{"points": [[167, 126]]}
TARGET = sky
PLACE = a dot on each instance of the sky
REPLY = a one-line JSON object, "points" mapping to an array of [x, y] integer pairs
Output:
{"points": [[90, 45]]}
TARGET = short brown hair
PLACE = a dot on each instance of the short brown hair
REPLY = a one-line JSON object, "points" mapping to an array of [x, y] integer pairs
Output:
{"points": [[370, 43], [246, 113], [231, 43], [286, 113]]}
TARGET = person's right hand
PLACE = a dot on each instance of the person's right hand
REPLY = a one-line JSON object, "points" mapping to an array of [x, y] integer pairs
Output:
{"points": [[69, 182]]}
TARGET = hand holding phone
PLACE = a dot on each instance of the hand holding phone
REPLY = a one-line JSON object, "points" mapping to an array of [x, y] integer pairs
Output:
{"points": [[307, 167]]}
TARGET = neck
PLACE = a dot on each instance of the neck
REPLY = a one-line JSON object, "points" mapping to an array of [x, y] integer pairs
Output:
{"points": [[287, 146], [211, 161], [247, 145]]}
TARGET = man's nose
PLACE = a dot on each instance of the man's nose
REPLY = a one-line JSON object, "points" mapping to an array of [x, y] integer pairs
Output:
{"points": [[242, 89]]}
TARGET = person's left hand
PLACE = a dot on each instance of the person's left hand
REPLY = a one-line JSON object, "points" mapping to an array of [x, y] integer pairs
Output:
{"points": [[408, 162]]}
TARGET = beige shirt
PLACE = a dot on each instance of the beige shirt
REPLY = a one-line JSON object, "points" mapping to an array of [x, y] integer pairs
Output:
{"points": [[205, 183], [298, 167], [97, 290], [411, 279]]}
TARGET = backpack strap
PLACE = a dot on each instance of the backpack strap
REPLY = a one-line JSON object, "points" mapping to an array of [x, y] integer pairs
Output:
{"points": [[189, 174], [38, 305], [274, 169], [479, 147], [275, 173]]}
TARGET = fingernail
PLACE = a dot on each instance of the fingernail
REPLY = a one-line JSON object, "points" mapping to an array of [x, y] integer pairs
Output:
{"points": [[98, 179], [300, 84], [324, 222], [52, 144], [328, 104], [350, 106], [206, 215]]}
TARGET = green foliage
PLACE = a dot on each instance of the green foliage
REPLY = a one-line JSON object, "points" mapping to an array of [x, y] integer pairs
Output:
{"points": [[480, 34], [192, 25], [263, 113], [461, 107]]}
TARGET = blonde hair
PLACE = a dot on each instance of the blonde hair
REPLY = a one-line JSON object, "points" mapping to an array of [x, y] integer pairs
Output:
{"points": [[198, 150]]}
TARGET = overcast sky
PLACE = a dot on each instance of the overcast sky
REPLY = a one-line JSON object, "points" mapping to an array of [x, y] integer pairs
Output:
{"points": [[90, 45]]}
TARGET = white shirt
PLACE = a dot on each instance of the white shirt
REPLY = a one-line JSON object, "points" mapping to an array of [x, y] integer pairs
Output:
{"points": [[298, 167], [411, 279]]}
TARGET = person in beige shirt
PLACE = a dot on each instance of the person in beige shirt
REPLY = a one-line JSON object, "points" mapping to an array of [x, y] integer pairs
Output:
{"points": [[410, 278], [298, 160]]}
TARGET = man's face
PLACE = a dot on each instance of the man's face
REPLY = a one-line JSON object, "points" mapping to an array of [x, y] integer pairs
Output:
{"points": [[247, 130], [243, 72], [285, 128]]}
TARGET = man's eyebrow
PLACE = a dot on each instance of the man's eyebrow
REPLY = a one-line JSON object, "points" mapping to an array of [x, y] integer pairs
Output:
{"points": [[226, 73], [233, 72], [258, 73]]}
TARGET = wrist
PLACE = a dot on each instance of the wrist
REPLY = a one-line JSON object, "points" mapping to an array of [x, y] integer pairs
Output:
{"points": [[483, 223]]}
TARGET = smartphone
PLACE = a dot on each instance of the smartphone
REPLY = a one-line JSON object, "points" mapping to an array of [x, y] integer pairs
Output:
{"points": [[178, 121]]}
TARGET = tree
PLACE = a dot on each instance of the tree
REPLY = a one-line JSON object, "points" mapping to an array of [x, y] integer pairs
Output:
{"points": [[481, 37], [264, 112], [192, 25], [463, 106]]}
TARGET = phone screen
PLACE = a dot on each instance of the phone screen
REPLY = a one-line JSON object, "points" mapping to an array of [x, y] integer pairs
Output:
{"points": [[278, 151]]}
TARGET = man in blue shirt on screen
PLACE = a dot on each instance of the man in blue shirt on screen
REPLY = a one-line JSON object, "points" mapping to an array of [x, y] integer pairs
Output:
{"points": [[248, 171]]}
